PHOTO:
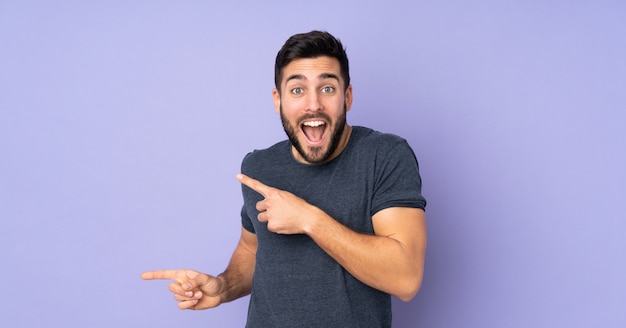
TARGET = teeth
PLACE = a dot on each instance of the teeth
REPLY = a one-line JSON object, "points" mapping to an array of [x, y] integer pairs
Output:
{"points": [[313, 123]]}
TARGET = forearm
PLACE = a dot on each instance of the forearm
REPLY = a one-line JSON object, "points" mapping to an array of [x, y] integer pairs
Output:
{"points": [[383, 262], [237, 278]]}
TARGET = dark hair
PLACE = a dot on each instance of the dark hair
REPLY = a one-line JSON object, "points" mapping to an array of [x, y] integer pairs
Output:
{"points": [[311, 45]]}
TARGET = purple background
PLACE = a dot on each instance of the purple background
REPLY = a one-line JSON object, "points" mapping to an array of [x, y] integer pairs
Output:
{"points": [[123, 124]]}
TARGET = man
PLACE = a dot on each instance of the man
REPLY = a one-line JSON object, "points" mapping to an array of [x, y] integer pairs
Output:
{"points": [[333, 218]]}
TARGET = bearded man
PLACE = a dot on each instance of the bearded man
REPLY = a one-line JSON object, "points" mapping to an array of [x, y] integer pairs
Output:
{"points": [[333, 220]]}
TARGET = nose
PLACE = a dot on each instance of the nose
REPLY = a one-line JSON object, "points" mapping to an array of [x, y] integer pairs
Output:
{"points": [[313, 103]]}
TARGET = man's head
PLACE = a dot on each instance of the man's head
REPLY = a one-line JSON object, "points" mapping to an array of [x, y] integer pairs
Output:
{"points": [[311, 45], [312, 95]]}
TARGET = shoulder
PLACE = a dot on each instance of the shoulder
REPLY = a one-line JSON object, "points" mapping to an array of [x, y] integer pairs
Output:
{"points": [[260, 154], [364, 134], [265, 157], [369, 140]]}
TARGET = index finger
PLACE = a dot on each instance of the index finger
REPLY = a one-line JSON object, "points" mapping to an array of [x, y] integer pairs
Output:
{"points": [[161, 274], [253, 184]]}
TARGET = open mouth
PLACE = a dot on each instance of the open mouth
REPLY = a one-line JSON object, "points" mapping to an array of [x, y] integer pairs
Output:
{"points": [[313, 131]]}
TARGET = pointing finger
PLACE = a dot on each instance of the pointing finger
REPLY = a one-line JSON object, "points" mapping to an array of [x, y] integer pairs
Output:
{"points": [[180, 276], [159, 274], [253, 184]]}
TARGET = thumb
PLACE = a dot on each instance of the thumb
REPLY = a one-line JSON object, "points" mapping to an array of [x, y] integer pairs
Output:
{"points": [[193, 279], [213, 286], [208, 284]]}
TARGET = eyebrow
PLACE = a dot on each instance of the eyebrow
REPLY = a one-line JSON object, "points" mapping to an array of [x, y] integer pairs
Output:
{"points": [[322, 76], [325, 76]]}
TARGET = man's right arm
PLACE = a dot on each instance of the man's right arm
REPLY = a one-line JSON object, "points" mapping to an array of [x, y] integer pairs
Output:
{"points": [[198, 291], [237, 278]]}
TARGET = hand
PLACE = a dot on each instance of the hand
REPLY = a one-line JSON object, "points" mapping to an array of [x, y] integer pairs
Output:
{"points": [[284, 212], [192, 289]]}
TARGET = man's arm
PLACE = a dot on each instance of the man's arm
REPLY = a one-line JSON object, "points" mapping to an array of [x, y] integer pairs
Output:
{"points": [[237, 277], [198, 291], [392, 260]]}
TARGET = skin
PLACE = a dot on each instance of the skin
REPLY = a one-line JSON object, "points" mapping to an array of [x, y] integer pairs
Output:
{"points": [[312, 90], [391, 260]]}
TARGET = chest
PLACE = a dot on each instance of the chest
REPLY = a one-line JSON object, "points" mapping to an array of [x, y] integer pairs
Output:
{"points": [[344, 190]]}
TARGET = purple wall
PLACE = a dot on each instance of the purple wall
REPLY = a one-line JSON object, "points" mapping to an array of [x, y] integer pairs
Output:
{"points": [[122, 126]]}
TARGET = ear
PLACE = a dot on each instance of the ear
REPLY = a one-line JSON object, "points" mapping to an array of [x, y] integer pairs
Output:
{"points": [[276, 96], [348, 98]]}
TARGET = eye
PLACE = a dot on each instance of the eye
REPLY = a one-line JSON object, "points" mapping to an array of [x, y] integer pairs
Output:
{"points": [[297, 91], [328, 89]]}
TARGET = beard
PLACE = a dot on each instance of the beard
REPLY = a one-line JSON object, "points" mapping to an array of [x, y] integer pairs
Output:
{"points": [[319, 154]]}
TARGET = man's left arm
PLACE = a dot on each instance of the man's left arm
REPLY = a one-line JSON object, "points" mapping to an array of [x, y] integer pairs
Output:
{"points": [[392, 260]]}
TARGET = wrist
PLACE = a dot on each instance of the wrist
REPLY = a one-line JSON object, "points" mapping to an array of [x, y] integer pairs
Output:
{"points": [[314, 220], [223, 287]]}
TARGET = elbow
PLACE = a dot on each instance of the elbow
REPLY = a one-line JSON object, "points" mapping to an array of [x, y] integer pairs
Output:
{"points": [[409, 288], [408, 294]]}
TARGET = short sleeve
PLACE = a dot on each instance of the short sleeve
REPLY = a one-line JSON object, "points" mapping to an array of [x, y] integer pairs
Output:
{"points": [[245, 220], [398, 182]]}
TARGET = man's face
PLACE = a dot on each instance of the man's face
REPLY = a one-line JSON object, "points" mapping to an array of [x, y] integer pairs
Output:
{"points": [[312, 105]]}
